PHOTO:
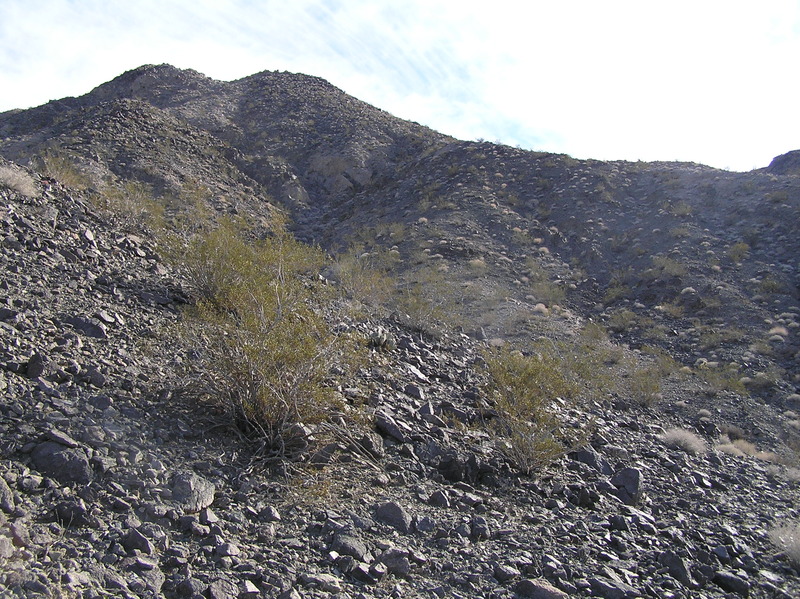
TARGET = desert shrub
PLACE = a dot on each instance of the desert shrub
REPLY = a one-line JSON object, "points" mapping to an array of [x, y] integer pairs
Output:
{"points": [[623, 320], [679, 438], [741, 447], [364, 276], [135, 203], [524, 391], [61, 166], [726, 378], [259, 329], [541, 286], [17, 180], [680, 208], [738, 251], [769, 285], [666, 268], [645, 385], [426, 302], [787, 539], [714, 337]]}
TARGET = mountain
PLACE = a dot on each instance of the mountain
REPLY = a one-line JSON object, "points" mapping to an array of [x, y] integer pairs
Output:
{"points": [[667, 292]]}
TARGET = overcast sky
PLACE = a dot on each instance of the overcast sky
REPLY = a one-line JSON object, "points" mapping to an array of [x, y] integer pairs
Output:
{"points": [[706, 81]]}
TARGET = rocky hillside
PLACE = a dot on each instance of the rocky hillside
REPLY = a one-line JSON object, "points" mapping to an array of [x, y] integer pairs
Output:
{"points": [[667, 291]]}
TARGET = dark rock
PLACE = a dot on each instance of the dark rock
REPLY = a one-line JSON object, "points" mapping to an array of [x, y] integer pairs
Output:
{"points": [[347, 544], [394, 515], [396, 561], [612, 589], [732, 583], [73, 512], [538, 589], [628, 483], [676, 566], [388, 426], [6, 497], [65, 464], [88, 326], [37, 366], [222, 589], [192, 492], [504, 573], [135, 540]]}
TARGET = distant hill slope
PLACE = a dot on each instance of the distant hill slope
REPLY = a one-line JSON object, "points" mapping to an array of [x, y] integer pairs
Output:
{"points": [[668, 254]]}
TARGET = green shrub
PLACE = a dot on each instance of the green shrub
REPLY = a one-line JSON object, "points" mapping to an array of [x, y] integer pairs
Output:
{"points": [[364, 276], [645, 385], [61, 166], [134, 203], [258, 326], [738, 251], [524, 391]]}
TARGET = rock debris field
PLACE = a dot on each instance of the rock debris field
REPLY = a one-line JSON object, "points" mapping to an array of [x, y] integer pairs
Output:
{"points": [[113, 485]]}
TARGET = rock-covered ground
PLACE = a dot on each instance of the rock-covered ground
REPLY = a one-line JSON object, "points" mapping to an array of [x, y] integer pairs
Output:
{"points": [[114, 484]]}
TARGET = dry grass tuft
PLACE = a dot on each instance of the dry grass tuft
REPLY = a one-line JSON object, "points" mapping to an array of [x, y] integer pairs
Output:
{"points": [[18, 180], [787, 538], [679, 438]]}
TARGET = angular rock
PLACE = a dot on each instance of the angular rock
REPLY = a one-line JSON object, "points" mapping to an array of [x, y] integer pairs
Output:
{"points": [[222, 589], [538, 589], [192, 492], [6, 497], [394, 515], [65, 464], [351, 545], [628, 482], [676, 566], [135, 540], [504, 573], [732, 583], [87, 326]]}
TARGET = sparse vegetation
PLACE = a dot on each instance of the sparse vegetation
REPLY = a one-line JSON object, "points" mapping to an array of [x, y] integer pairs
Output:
{"points": [[17, 180], [526, 391], [59, 165], [679, 438], [259, 327], [787, 539]]}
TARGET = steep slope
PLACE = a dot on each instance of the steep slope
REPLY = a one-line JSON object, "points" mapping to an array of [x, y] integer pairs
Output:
{"points": [[674, 272]]}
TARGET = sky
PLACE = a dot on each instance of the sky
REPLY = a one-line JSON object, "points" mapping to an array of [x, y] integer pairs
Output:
{"points": [[708, 81]]}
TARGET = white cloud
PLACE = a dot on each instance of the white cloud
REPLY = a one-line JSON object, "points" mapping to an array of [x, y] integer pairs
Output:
{"points": [[704, 81]]}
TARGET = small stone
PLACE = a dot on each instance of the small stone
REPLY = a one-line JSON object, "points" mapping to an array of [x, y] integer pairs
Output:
{"points": [[394, 515], [504, 573], [136, 541], [732, 583], [65, 464], [192, 492], [538, 589]]}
